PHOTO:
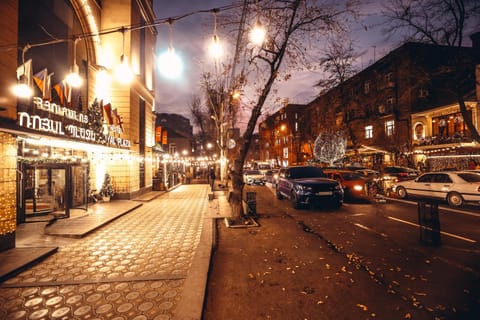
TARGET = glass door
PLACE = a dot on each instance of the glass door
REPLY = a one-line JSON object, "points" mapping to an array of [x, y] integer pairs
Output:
{"points": [[44, 190]]}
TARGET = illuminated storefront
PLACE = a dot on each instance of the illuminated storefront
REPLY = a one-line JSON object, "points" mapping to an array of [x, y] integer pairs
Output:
{"points": [[59, 141]]}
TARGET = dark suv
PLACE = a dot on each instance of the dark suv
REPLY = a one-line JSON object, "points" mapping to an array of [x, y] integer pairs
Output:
{"points": [[308, 185]]}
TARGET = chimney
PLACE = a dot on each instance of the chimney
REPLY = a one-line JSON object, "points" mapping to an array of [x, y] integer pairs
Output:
{"points": [[475, 37]]}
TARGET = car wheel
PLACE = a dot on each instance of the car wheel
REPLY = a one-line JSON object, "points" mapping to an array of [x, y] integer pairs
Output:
{"points": [[337, 205], [454, 199], [278, 194], [294, 200], [401, 192]]}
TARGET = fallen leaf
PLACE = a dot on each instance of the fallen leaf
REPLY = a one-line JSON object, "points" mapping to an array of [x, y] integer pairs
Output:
{"points": [[362, 306], [408, 316], [320, 302]]}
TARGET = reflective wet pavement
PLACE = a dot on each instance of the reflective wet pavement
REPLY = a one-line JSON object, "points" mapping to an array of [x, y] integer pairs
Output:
{"points": [[133, 268]]}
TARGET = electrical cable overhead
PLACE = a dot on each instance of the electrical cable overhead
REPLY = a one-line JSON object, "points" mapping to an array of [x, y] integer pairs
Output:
{"points": [[121, 29]]}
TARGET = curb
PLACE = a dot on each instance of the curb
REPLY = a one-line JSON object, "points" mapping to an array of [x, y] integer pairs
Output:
{"points": [[190, 306]]}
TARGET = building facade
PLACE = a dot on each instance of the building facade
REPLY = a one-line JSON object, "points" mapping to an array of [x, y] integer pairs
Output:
{"points": [[281, 137], [390, 111], [59, 140]]}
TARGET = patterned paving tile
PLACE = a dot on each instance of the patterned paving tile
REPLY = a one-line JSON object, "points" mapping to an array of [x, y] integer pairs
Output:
{"points": [[133, 268]]}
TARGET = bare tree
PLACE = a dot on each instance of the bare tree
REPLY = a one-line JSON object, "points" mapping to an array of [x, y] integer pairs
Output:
{"points": [[441, 22], [292, 24]]}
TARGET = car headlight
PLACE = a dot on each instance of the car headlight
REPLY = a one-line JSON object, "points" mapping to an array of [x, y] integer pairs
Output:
{"points": [[303, 188], [357, 187]]}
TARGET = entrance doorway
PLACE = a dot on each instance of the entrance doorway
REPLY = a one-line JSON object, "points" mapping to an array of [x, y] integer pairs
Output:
{"points": [[51, 189]]}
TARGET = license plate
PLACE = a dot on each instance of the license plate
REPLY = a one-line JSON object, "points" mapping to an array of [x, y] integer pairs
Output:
{"points": [[324, 193]]}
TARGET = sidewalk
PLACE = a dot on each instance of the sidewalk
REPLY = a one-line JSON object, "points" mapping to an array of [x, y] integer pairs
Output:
{"points": [[169, 273], [33, 243]]}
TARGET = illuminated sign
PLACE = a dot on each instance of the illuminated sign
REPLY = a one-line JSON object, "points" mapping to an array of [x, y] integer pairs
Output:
{"points": [[72, 130]]}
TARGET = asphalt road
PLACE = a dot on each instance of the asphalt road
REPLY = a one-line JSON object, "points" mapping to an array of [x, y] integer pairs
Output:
{"points": [[383, 239]]}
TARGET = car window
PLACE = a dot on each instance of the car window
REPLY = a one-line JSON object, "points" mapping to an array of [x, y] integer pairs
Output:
{"points": [[351, 176], [306, 172], [470, 177], [442, 178], [426, 178]]}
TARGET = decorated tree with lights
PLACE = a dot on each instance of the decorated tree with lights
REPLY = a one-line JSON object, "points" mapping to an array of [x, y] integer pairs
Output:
{"points": [[95, 116], [330, 146], [291, 26]]}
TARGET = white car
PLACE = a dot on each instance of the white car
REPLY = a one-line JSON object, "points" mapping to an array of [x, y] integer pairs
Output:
{"points": [[456, 187], [253, 177]]}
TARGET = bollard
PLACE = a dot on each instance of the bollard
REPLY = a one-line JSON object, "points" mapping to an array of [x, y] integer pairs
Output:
{"points": [[429, 222], [252, 204]]}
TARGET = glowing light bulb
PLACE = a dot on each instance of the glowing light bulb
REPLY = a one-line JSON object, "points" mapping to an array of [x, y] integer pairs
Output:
{"points": [[216, 49], [22, 90], [257, 34], [169, 64], [123, 73], [73, 78]]}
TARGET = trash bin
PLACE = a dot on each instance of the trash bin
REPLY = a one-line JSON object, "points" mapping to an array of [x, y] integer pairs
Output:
{"points": [[157, 184], [251, 203], [429, 222]]}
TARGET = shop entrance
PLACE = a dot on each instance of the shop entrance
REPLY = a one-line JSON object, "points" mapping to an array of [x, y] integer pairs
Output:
{"points": [[51, 189]]}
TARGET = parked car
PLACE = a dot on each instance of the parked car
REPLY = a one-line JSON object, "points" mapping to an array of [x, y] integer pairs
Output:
{"points": [[353, 184], [271, 176], [253, 177], [392, 175], [369, 174], [456, 187], [308, 186]]}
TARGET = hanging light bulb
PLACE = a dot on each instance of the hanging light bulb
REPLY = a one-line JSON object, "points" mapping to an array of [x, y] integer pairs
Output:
{"points": [[169, 63], [74, 79], [258, 33], [23, 89], [123, 73], [215, 48]]}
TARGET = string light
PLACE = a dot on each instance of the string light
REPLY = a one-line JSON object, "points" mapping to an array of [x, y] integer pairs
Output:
{"points": [[169, 63], [258, 32], [123, 72], [216, 49], [74, 78]]}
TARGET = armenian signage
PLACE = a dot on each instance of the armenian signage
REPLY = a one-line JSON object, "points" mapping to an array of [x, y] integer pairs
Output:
{"points": [[63, 121]]}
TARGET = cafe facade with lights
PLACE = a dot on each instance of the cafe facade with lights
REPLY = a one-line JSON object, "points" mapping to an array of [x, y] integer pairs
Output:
{"points": [[60, 138]]}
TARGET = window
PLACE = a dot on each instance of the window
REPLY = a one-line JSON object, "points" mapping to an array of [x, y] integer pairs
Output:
{"points": [[423, 93], [389, 77], [390, 101], [366, 87], [390, 127], [368, 132]]}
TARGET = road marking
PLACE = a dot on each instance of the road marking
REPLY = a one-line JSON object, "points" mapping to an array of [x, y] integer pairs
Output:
{"points": [[467, 213], [442, 232], [370, 229]]}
